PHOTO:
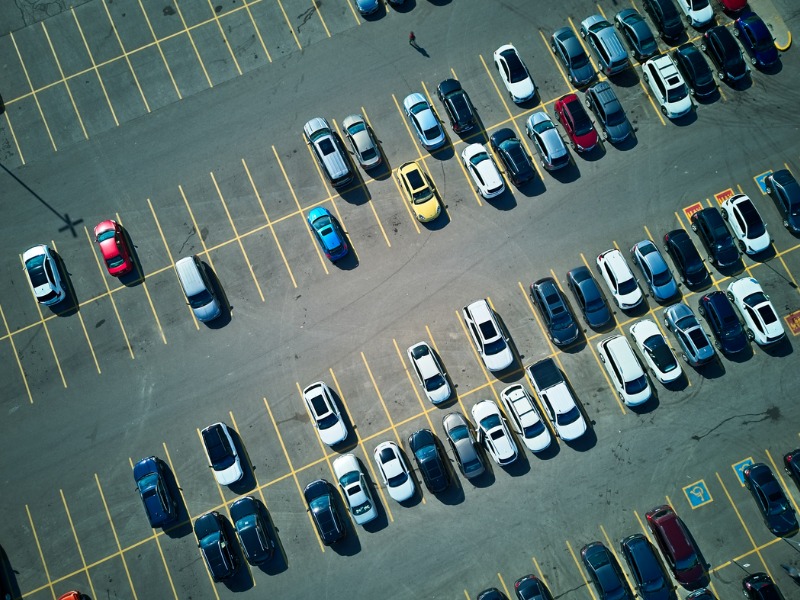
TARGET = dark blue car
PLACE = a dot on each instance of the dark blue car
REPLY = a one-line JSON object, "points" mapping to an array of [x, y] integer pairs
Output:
{"points": [[723, 322], [159, 504], [756, 39], [251, 527]]}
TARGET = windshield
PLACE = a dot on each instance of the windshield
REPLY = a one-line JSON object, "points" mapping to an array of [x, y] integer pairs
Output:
{"points": [[36, 272], [698, 4], [106, 235], [533, 430], [677, 93], [147, 484], [478, 158], [637, 385], [398, 479], [490, 422], [627, 287], [516, 70], [565, 418], [494, 347], [434, 383], [431, 133], [686, 563], [328, 421], [662, 278], [656, 347], [200, 300], [543, 126]]}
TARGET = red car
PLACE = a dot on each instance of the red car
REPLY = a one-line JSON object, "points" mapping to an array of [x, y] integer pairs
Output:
{"points": [[733, 6], [114, 246], [677, 547], [575, 119], [73, 596]]}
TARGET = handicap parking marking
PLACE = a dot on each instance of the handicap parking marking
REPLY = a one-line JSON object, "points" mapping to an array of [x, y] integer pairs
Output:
{"points": [[740, 466], [793, 321], [690, 210], [724, 195], [760, 181], [697, 494]]}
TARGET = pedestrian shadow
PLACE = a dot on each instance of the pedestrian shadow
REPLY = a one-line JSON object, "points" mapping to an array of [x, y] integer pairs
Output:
{"points": [[420, 49]]}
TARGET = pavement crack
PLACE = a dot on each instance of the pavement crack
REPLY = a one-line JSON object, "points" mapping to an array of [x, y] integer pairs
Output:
{"points": [[767, 414]]}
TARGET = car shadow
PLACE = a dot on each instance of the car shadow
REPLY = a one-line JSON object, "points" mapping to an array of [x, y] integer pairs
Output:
{"points": [[382, 520], [780, 349], [351, 441], [629, 143], [712, 98], [350, 545], [136, 275], [712, 370], [242, 580], [183, 525], [358, 194], [439, 223], [739, 357], [772, 69], [554, 449], [8, 576], [595, 154], [486, 478], [248, 480], [70, 305], [568, 174], [504, 201], [745, 83], [454, 493], [226, 310], [652, 403], [350, 260], [533, 187], [522, 465], [588, 440], [627, 78], [681, 383], [684, 121]]}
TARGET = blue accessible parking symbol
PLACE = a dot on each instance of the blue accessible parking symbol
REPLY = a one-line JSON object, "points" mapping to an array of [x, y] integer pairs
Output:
{"points": [[741, 466], [759, 179], [697, 494]]}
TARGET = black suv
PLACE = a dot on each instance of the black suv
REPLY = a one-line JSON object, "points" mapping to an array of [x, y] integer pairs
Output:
{"points": [[560, 324], [321, 504], [215, 545], [681, 249], [695, 70], [723, 322], [649, 576], [759, 586], [425, 448], [708, 224], [516, 161], [665, 16], [603, 102], [721, 47], [457, 104]]}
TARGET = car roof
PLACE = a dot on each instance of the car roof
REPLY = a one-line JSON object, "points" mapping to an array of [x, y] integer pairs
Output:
{"points": [[616, 262], [449, 86], [725, 38]]}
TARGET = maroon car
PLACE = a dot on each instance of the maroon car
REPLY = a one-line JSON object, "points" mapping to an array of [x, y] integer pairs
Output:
{"points": [[677, 547]]}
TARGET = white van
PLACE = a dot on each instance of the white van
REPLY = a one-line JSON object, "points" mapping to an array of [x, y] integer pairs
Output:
{"points": [[198, 290]]}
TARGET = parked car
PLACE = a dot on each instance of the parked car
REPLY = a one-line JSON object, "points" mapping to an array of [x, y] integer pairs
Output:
{"points": [[425, 448], [623, 368], [73, 595], [721, 47], [619, 279], [603, 40], [557, 400], [394, 472], [418, 191], [491, 594], [367, 7], [525, 418], [530, 587], [667, 85], [603, 102], [547, 141], [677, 547], [569, 50], [462, 443], [489, 339], [493, 432], [785, 192], [605, 573], [114, 247], [324, 413], [656, 273], [656, 351], [354, 488], [457, 105], [681, 249], [515, 159], [723, 322], [756, 39], [665, 17], [710, 227], [361, 140], [649, 577], [328, 151], [589, 297], [514, 74], [252, 530], [485, 174], [791, 464], [424, 121], [43, 274], [211, 530], [159, 504], [759, 586], [761, 320], [554, 310], [636, 33], [696, 348], [701, 594], [328, 233], [698, 12], [746, 224], [221, 452], [695, 70], [733, 6], [771, 500], [429, 372], [319, 497], [579, 127]]}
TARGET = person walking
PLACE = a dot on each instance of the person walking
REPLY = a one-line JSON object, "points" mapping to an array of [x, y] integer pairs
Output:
{"points": [[412, 39]]}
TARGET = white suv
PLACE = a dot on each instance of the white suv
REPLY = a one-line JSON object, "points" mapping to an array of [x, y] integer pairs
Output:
{"points": [[624, 370], [485, 331], [619, 279], [746, 224], [668, 86]]}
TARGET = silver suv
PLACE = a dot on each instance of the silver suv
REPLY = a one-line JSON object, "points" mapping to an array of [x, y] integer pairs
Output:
{"points": [[329, 152]]}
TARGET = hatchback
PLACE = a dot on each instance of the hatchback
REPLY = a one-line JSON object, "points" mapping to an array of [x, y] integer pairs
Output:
{"points": [[681, 249], [547, 141], [589, 297], [693, 340], [462, 443], [656, 273], [363, 143], [746, 224], [649, 577], [695, 70], [655, 351], [723, 322], [211, 530], [620, 280], [43, 274], [322, 506], [418, 191], [558, 320], [677, 547], [637, 34], [515, 159], [605, 572], [623, 368], [569, 50], [776, 510], [762, 322], [756, 39], [457, 105], [248, 516], [721, 47], [603, 102], [710, 227], [785, 192], [328, 233], [605, 43]]}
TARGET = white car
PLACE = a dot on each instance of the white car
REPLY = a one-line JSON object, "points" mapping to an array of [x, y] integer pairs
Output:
{"points": [[761, 320], [746, 224], [429, 371], [525, 418], [485, 174], [656, 351], [354, 487], [221, 453], [324, 413], [624, 370], [493, 432], [424, 121], [43, 275], [394, 471], [698, 12], [489, 340], [668, 86], [514, 74], [619, 279]]}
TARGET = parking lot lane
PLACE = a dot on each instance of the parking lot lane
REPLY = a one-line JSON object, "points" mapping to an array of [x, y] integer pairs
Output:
{"points": [[277, 29], [77, 543], [245, 41], [37, 60], [33, 95], [10, 388], [41, 554], [13, 156], [116, 538], [414, 386], [216, 55], [67, 85]]}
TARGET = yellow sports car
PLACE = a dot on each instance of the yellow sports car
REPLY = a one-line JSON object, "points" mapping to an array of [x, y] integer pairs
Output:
{"points": [[419, 192]]}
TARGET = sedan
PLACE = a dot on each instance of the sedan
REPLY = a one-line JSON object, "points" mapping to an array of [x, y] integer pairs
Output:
{"points": [[624, 370], [394, 471], [515, 159], [547, 141], [514, 74], [525, 418], [419, 192], [569, 50], [328, 234], [324, 413], [746, 223], [160, 506], [698, 12], [711, 229], [429, 371], [457, 105], [760, 317], [425, 448], [367, 7], [693, 340], [322, 506], [723, 322], [531, 587], [462, 443], [637, 34], [656, 273], [493, 432], [354, 487], [114, 247], [589, 297], [558, 320], [252, 530], [655, 350], [579, 127], [684, 254], [605, 572], [649, 576], [211, 530], [424, 121], [362, 141], [756, 39], [721, 47], [695, 70], [43, 274], [484, 173], [221, 452], [619, 279], [777, 512], [759, 586], [785, 192]]}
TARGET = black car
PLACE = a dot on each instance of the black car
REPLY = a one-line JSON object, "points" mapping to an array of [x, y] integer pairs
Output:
{"points": [[215, 545], [603, 102], [701, 594], [531, 587], [785, 192], [759, 586], [649, 577], [321, 504], [605, 572], [425, 448], [711, 229], [681, 249], [791, 464], [492, 594], [568, 48], [695, 70], [516, 161], [771, 500], [457, 104], [589, 297], [252, 530], [721, 47], [723, 322], [666, 18], [637, 34], [558, 319]]}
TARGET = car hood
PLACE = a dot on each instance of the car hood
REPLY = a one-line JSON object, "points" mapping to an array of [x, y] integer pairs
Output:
{"points": [[208, 312], [440, 394], [428, 210], [630, 300], [619, 132], [666, 291], [506, 451], [681, 107], [702, 16], [758, 244], [783, 524], [565, 334]]}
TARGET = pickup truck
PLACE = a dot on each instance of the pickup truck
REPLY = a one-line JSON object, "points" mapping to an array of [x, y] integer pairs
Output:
{"points": [[556, 399]]}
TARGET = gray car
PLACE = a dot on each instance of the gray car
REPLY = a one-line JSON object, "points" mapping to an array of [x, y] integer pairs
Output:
{"points": [[637, 34], [462, 443], [605, 43], [603, 102], [360, 138], [568, 48], [547, 141], [655, 270], [694, 342]]}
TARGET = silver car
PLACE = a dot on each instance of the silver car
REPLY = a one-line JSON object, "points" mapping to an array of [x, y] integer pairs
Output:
{"points": [[361, 140], [424, 121], [655, 270], [694, 342], [462, 443], [547, 141]]}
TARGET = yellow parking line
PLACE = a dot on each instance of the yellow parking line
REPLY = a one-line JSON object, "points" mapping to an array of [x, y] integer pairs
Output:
{"points": [[289, 24], [580, 570], [77, 543], [600, 9], [13, 136], [114, 531], [125, 54], [649, 235], [680, 221], [405, 203], [380, 397], [30, 85], [600, 76], [94, 66], [196, 52], [224, 37], [197, 228], [505, 587], [66, 83], [316, 8], [157, 43], [325, 455], [16, 355], [41, 555], [353, 10], [477, 356], [255, 26], [558, 63], [538, 570], [778, 472], [413, 384], [436, 349]]}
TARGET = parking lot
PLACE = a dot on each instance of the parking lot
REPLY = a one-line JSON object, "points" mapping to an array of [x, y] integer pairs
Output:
{"points": [[185, 125]]}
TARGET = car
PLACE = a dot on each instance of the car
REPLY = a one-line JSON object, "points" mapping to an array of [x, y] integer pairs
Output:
{"points": [[429, 371], [554, 310], [771, 500], [211, 530], [491, 594], [221, 452], [759, 586], [424, 121], [623, 368], [636, 33], [619, 279], [530, 587], [556, 399], [485, 174], [761, 320], [746, 224], [462, 443], [159, 504], [659, 279], [493, 432], [649, 577], [514, 74], [321, 505], [698, 12], [73, 595], [328, 151], [668, 87], [656, 351], [394, 471], [709, 226], [603, 102], [791, 464], [605, 572], [114, 247], [579, 127], [354, 488], [701, 594], [547, 141], [756, 39], [569, 50], [44, 276], [361, 140], [695, 70], [525, 418], [425, 448], [677, 547], [328, 233], [590, 299], [696, 347], [733, 6], [457, 105], [721, 47], [515, 159], [723, 322], [665, 17], [252, 529], [785, 192], [324, 413], [419, 192], [489, 339], [605, 43], [367, 7], [684, 254]]}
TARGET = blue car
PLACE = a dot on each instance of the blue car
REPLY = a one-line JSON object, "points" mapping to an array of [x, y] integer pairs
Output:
{"points": [[328, 233], [160, 506], [756, 39], [367, 7]]}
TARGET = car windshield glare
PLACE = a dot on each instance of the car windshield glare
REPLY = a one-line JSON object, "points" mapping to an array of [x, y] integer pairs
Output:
{"points": [[686, 563], [515, 67], [489, 422], [328, 421], [36, 272], [658, 350], [357, 127], [662, 278], [418, 107], [637, 385], [106, 235], [147, 484], [459, 432], [478, 158], [543, 126]]}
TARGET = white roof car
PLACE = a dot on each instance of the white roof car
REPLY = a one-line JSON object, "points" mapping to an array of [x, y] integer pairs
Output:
{"points": [[624, 370], [619, 279], [514, 74], [43, 275], [324, 413], [394, 472], [483, 171], [746, 224], [354, 487], [493, 432], [424, 121], [487, 336], [668, 86], [525, 418], [221, 453], [656, 351], [429, 372], [698, 12], [761, 320]]}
